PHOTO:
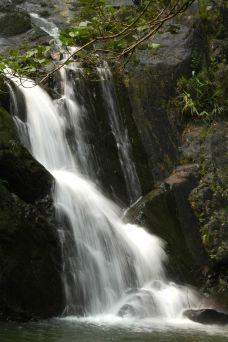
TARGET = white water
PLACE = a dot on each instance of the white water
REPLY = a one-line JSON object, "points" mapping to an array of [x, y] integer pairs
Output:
{"points": [[45, 25], [120, 133], [110, 268], [75, 115]]}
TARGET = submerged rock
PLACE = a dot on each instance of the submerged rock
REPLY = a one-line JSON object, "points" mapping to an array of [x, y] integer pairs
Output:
{"points": [[126, 310], [207, 316]]}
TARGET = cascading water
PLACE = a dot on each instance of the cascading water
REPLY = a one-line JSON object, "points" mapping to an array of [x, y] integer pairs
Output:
{"points": [[75, 116], [20, 125], [45, 25], [109, 267], [120, 133]]}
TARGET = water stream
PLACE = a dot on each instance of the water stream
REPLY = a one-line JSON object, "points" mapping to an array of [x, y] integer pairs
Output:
{"points": [[69, 330], [45, 25], [120, 133]]}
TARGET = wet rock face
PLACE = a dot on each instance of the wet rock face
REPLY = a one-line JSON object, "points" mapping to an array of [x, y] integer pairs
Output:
{"points": [[166, 212], [207, 316], [30, 252], [151, 84]]}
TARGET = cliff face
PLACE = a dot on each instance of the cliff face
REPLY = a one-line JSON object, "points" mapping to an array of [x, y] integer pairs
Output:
{"points": [[197, 187], [210, 197]]}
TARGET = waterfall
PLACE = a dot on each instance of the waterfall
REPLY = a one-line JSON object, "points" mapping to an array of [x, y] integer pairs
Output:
{"points": [[45, 25], [109, 267], [15, 111], [120, 133], [75, 116]]}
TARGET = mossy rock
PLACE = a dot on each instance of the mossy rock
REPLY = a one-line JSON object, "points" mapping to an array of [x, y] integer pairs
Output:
{"points": [[14, 22], [209, 197]]}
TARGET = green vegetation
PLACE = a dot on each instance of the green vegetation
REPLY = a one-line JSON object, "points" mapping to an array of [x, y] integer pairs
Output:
{"points": [[25, 61], [201, 96], [205, 146], [204, 95]]}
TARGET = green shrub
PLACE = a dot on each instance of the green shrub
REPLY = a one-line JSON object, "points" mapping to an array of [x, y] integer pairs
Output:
{"points": [[201, 96]]}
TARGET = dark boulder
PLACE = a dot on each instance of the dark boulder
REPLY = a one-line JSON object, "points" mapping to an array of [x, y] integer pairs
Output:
{"points": [[166, 212], [207, 316], [14, 22], [23, 175], [30, 261], [126, 310]]}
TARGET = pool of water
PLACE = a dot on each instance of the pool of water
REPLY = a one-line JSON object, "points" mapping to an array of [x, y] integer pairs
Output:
{"points": [[109, 329]]}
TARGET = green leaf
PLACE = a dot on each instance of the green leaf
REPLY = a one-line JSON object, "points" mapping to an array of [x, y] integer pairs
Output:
{"points": [[31, 53], [153, 45], [84, 23], [73, 34], [41, 61]]}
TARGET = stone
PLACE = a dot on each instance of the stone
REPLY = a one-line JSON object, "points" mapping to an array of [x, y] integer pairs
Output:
{"points": [[207, 316], [30, 262], [14, 22], [23, 175], [126, 310], [166, 212]]}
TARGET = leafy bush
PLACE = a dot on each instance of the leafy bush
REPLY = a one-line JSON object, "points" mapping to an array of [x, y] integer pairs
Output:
{"points": [[201, 96]]}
